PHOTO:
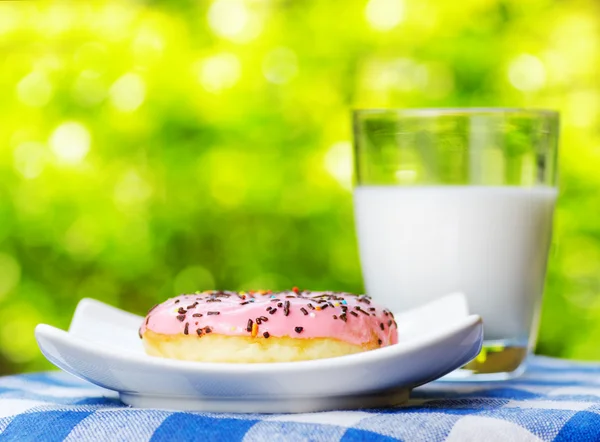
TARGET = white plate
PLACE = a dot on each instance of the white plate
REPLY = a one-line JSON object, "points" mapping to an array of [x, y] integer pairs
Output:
{"points": [[102, 346]]}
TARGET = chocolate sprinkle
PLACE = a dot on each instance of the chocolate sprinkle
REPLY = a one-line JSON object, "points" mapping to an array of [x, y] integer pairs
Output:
{"points": [[310, 306], [371, 309], [353, 313], [390, 323], [197, 315], [180, 318], [379, 341], [186, 330], [181, 311], [192, 305], [323, 307], [343, 317], [280, 304], [245, 302], [199, 332], [303, 310], [381, 326], [272, 312], [334, 316], [361, 310], [299, 329], [213, 313], [264, 318], [286, 309], [176, 301], [249, 326], [207, 330], [266, 335], [258, 321]]}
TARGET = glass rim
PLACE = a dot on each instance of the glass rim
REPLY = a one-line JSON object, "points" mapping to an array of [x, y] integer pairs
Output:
{"points": [[457, 111]]}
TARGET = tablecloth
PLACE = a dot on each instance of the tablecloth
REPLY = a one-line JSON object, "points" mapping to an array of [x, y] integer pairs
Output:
{"points": [[555, 400]]}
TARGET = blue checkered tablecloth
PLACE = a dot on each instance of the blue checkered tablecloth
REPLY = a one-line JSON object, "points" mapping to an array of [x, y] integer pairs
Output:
{"points": [[555, 400]]}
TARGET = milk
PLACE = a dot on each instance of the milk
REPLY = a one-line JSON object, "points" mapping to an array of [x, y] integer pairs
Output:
{"points": [[418, 243]]}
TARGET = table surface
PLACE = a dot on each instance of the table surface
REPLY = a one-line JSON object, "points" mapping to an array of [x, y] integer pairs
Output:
{"points": [[555, 400]]}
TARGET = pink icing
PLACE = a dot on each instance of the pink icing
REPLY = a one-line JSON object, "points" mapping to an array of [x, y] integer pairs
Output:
{"points": [[330, 317]]}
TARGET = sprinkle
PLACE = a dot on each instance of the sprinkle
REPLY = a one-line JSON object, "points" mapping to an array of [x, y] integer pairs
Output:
{"points": [[192, 305], [390, 323], [249, 326], [199, 332], [381, 326], [371, 309], [312, 315], [181, 311], [264, 318], [245, 302], [343, 317], [196, 323], [298, 329], [334, 316], [323, 307], [197, 315], [303, 310], [213, 300], [266, 335], [386, 313], [186, 330], [379, 341], [310, 306], [272, 312], [254, 329], [318, 308], [286, 309], [344, 302], [207, 329], [280, 304], [353, 313], [361, 310], [274, 299], [295, 289], [147, 319], [181, 318], [176, 301], [213, 313], [272, 296], [258, 321], [269, 308]]}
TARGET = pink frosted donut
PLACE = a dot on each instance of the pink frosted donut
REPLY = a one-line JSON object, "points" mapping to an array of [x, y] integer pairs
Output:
{"points": [[264, 326]]}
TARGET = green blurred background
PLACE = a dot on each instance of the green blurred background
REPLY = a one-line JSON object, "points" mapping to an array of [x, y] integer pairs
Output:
{"points": [[150, 148]]}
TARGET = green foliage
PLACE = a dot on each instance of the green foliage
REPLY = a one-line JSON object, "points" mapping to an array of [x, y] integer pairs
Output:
{"points": [[149, 149]]}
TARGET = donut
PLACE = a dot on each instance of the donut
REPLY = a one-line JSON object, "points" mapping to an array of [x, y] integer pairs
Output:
{"points": [[265, 326]]}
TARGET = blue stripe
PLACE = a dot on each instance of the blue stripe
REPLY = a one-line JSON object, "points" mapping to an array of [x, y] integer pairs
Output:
{"points": [[354, 435], [182, 427], [582, 427], [47, 426]]}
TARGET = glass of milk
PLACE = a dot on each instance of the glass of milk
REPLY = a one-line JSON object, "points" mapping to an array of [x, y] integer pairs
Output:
{"points": [[460, 200]]}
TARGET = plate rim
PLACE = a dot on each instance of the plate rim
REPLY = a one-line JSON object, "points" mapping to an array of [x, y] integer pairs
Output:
{"points": [[372, 356]]}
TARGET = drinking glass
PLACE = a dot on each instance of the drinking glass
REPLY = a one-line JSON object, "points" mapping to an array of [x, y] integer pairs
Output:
{"points": [[459, 200]]}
